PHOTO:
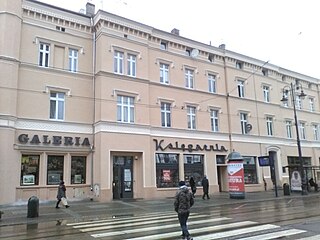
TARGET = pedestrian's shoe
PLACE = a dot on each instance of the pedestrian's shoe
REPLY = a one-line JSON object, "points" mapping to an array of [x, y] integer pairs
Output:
{"points": [[188, 238], [203, 198], [57, 207], [208, 198], [67, 206]]}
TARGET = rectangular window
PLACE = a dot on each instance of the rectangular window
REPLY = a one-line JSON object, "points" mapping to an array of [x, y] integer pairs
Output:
{"points": [[189, 78], [78, 169], [167, 170], [212, 83], [214, 120], [193, 167], [30, 170], [125, 109], [57, 106], [298, 103], [244, 122], [289, 129], [266, 93], [250, 170], [191, 115], [131, 59], [73, 60], [164, 73], [316, 135], [241, 88], [269, 126], [285, 96], [302, 130], [44, 54], [311, 104], [55, 169], [165, 114], [118, 62]]}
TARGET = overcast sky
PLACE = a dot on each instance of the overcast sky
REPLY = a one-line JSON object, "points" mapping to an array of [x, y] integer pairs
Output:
{"points": [[284, 32]]}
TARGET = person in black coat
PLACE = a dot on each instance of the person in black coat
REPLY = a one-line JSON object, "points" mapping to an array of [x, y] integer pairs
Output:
{"points": [[205, 185], [193, 186]]}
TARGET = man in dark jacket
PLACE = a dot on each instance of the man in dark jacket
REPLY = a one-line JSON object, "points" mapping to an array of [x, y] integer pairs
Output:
{"points": [[205, 185], [182, 204]]}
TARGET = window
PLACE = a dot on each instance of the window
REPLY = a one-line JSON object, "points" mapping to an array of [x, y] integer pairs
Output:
{"points": [[125, 109], [167, 170], [78, 169], [191, 115], [298, 102], [55, 169], [266, 93], [311, 104], [30, 169], [164, 73], [241, 88], [214, 120], [316, 134], [165, 114], [57, 105], [193, 167], [285, 96], [269, 126], [289, 129], [163, 45], [118, 62], [44, 54], [302, 130], [244, 122], [73, 60], [212, 83], [189, 78], [239, 65], [250, 170], [131, 65]]}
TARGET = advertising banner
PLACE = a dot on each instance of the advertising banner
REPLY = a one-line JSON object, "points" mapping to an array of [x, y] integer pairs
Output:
{"points": [[236, 179]]}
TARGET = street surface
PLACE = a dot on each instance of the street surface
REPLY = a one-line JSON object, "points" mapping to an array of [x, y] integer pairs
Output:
{"points": [[259, 217]]}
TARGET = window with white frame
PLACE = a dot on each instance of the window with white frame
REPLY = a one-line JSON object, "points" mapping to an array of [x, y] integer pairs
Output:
{"points": [[298, 103], [289, 128], [189, 75], [125, 109], [214, 120], [191, 117], [285, 96], [165, 114], [316, 134], [311, 104], [132, 64], [57, 102], [44, 54], [302, 130], [241, 88], [118, 63], [164, 73], [212, 83], [269, 126], [73, 60], [266, 93], [244, 122]]}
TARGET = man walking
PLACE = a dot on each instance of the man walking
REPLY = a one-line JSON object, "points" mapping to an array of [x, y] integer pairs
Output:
{"points": [[205, 185], [182, 204]]}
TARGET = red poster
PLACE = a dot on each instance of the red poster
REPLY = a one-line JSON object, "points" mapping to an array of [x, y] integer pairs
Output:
{"points": [[166, 175], [236, 178]]}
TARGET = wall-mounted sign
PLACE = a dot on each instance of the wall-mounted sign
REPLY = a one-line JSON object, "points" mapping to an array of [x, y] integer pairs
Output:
{"points": [[265, 161], [187, 147]]}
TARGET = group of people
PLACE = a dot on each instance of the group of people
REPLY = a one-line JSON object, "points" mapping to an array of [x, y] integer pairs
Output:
{"points": [[184, 200]]}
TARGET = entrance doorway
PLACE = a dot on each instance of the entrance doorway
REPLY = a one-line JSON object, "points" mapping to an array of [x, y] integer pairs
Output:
{"points": [[122, 177]]}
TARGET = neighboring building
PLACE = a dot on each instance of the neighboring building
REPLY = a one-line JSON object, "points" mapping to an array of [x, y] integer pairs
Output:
{"points": [[119, 109]]}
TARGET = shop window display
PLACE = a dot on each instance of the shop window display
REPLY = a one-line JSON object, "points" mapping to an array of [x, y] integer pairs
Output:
{"points": [[250, 170], [167, 168], [193, 167], [78, 169], [30, 170], [55, 169]]}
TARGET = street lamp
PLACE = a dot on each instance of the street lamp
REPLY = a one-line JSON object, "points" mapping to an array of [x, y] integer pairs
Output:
{"points": [[291, 89]]}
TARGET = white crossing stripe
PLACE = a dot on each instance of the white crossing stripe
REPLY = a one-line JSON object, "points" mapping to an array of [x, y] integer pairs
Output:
{"points": [[198, 230], [277, 235], [316, 237]]}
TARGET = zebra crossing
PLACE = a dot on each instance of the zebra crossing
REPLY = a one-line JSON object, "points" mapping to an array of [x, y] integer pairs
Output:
{"points": [[165, 225]]}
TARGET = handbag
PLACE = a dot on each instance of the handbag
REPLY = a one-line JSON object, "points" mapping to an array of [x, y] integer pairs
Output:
{"points": [[64, 201]]}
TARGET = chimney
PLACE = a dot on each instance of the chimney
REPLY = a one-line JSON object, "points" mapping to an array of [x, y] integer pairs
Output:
{"points": [[175, 31], [90, 9], [222, 46]]}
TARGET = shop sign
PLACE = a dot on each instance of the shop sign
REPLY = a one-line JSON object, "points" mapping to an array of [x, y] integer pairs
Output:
{"points": [[189, 147], [236, 179], [54, 140]]}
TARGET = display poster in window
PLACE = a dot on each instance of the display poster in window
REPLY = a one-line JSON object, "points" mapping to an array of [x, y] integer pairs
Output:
{"points": [[127, 175], [166, 175], [236, 179], [53, 178], [296, 181], [77, 178], [28, 180]]}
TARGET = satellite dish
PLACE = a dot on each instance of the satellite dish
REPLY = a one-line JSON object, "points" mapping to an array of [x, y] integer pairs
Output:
{"points": [[194, 53]]}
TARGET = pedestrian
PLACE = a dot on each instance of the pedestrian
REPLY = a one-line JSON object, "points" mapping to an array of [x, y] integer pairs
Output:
{"points": [[205, 186], [182, 204], [61, 196], [193, 186]]}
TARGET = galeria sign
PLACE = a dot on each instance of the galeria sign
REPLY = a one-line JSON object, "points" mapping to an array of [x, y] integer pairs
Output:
{"points": [[54, 140]]}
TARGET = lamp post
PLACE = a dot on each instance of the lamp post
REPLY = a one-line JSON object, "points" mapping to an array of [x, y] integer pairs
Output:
{"points": [[291, 88]]}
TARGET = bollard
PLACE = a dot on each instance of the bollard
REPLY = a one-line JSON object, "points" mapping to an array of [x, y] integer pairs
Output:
{"points": [[33, 207], [286, 189]]}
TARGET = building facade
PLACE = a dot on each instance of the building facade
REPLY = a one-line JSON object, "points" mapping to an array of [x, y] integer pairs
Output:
{"points": [[119, 109]]}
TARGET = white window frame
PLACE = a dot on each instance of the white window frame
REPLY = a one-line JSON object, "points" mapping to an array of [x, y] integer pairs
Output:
{"points": [[118, 65], [44, 54], [73, 60], [59, 100], [302, 130], [311, 104], [266, 93], [164, 73], [214, 119], [316, 133], [244, 122], [165, 114], [132, 65], [240, 88], [125, 109], [269, 121], [289, 129], [286, 96], [191, 117], [212, 83], [298, 103], [189, 78]]}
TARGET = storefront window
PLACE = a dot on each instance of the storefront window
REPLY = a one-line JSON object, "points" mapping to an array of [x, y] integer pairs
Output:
{"points": [[78, 169], [193, 167], [30, 169], [167, 168], [250, 170], [55, 169]]}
